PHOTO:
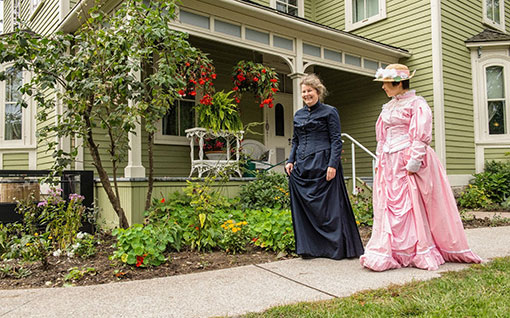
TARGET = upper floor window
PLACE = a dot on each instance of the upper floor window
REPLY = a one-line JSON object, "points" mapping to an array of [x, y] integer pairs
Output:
{"points": [[496, 101], [494, 13], [359, 13], [292, 7], [12, 112]]}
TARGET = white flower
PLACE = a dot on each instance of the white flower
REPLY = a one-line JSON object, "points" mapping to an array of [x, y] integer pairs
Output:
{"points": [[70, 254], [76, 245], [81, 235], [57, 253]]}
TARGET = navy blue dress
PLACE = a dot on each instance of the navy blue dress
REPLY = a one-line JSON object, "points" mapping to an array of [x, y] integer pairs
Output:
{"points": [[324, 224]]}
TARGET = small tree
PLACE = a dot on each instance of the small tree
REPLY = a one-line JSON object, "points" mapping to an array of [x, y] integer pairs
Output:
{"points": [[94, 75]]}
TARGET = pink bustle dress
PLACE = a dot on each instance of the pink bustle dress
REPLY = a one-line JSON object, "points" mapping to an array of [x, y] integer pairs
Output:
{"points": [[416, 221]]}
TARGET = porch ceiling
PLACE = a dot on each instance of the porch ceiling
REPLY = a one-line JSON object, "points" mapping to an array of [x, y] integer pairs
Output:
{"points": [[252, 26]]}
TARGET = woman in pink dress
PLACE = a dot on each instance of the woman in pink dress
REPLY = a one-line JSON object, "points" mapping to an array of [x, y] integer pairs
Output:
{"points": [[416, 221]]}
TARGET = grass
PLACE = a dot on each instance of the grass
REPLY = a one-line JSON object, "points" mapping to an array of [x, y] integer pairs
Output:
{"points": [[479, 291]]}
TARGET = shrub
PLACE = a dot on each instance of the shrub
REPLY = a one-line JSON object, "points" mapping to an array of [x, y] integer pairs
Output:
{"points": [[474, 198], [143, 246], [362, 207], [268, 190], [235, 236], [272, 229]]}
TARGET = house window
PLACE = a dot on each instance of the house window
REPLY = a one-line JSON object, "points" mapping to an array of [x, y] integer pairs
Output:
{"points": [[287, 6], [496, 106], [359, 13], [13, 113], [179, 118], [494, 14], [292, 7]]}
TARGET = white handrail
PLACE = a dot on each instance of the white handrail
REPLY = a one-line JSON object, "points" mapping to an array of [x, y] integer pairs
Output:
{"points": [[353, 150]]}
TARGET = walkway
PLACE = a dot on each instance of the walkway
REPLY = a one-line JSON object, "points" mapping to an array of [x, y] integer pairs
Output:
{"points": [[232, 291]]}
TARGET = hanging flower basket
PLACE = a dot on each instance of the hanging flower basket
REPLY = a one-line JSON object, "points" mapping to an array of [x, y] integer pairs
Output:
{"points": [[261, 80]]}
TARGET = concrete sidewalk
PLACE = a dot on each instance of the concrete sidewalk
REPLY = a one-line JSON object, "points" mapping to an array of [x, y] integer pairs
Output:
{"points": [[232, 291]]}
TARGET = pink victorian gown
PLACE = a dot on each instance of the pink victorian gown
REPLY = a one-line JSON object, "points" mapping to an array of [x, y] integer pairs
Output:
{"points": [[416, 221]]}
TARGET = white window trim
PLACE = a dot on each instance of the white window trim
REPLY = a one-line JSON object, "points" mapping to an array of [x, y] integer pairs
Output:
{"points": [[27, 140], [300, 6], [482, 122], [160, 139], [499, 26], [350, 25]]}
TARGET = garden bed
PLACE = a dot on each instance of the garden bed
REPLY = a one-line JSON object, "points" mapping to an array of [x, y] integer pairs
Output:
{"points": [[184, 262]]}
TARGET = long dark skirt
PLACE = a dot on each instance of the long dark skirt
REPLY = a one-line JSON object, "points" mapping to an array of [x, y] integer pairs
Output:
{"points": [[324, 224]]}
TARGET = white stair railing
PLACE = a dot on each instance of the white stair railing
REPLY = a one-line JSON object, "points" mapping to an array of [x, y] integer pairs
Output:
{"points": [[355, 143]]}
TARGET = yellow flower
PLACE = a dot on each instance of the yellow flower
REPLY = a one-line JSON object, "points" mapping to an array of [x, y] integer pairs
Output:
{"points": [[244, 222], [50, 237], [230, 221], [235, 229], [36, 234], [28, 244], [231, 225]]}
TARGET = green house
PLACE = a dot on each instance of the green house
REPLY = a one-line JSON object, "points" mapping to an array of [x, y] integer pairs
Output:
{"points": [[460, 49]]}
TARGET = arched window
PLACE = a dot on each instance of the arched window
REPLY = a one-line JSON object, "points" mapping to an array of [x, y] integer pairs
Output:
{"points": [[279, 120]]}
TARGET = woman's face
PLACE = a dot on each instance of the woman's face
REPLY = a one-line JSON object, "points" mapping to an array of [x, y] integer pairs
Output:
{"points": [[392, 90], [309, 94]]}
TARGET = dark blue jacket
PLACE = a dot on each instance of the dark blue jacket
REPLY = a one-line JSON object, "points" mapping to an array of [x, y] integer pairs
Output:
{"points": [[316, 128]]}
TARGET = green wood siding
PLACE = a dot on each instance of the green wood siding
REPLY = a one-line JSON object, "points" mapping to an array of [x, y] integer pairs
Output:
{"points": [[14, 161], [358, 110], [262, 2], [310, 6], [46, 20], [330, 13], [7, 18], [497, 154], [44, 154], [459, 22]]}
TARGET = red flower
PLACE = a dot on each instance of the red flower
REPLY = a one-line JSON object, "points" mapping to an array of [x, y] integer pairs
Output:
{"points": [[201, 81], [182, 92], [264, 70], [241, 77], [196, 228], [213, 76], [237, 100], [235, 88], [139, 260], [274, 89], [193, 93], [273, 80], [163, 200], [187, 64], [255, 239], [256, 79]]}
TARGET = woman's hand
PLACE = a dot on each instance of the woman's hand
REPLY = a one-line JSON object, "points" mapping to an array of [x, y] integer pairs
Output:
{"points": [[330, 174], [289, 167]]}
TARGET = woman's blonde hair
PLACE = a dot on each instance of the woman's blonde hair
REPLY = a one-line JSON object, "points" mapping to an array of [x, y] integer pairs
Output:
{"points": [[315, 82]]}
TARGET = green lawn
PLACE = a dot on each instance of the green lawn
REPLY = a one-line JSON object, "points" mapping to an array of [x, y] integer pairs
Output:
{"points": [[479, 291]]}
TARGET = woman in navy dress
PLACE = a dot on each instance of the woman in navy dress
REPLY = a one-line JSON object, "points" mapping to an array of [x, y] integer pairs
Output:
{"points": [[324, 224]]}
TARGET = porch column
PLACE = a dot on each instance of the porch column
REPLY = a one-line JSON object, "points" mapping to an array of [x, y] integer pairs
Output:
{"points": [[135, 169], [297, 101]]}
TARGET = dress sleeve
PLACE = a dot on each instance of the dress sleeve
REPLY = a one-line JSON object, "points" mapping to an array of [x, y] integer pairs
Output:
{"points": [[335, 138], [420, 131], [380, 138], [295, 142]]}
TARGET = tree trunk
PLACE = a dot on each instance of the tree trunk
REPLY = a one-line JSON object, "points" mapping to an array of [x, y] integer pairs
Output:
{"points": [[103, 176], [151, 171]]}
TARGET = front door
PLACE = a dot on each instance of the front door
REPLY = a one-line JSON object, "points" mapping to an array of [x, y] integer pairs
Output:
{"points": [[278, 129]]}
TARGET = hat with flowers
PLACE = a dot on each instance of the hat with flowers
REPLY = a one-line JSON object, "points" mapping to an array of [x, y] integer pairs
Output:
{"points": [[393, 73]]}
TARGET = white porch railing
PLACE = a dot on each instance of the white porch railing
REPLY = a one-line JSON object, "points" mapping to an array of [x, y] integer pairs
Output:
{"points": [[355, 143]]}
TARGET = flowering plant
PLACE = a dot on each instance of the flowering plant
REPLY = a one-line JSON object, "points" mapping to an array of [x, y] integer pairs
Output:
{"points": [[256, 78], [235, 236], [215, 144], [220, 112]]}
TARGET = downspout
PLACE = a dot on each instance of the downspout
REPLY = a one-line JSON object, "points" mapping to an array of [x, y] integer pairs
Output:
{"points": [[437, 79]]}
